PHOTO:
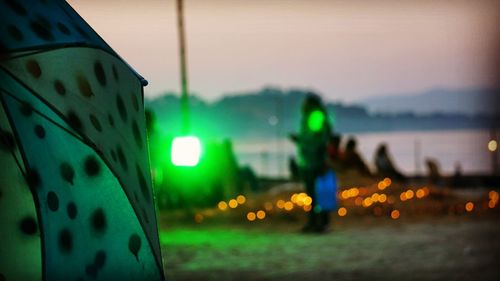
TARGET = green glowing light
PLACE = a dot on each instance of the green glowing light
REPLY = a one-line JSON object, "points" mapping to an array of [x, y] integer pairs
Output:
{"points": [[186, 151], [316, 120]]}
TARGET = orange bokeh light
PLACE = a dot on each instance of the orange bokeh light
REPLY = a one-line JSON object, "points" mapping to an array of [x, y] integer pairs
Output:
{"points": [[395, 214]]}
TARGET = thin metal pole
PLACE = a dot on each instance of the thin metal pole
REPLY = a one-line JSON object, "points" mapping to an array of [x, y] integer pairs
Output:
{"points": [[494, 159], [183, 65]]}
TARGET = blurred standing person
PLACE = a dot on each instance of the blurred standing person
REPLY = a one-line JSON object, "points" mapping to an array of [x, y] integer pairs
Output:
{"points": [[335, 154], [312, 142]]}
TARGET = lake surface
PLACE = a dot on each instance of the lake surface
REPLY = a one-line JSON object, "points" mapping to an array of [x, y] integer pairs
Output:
{"points": [[467, 148]]}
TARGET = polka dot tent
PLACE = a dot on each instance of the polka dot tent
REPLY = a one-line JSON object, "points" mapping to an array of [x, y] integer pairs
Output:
{"points": [[20, 257], [73, 141]]}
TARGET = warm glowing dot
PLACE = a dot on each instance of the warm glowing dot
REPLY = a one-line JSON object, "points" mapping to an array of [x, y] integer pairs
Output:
{"points": [[409, 194], [395, 214], [491, 204], [469, 206], [307, 208], [251, 216], [492, 145], [233, 203], [241, 199], [358, 201], [375, 197], [222, 205], [402, 196], [381, 185], [355, 192], [420, 193], [493, 195], [280, 204], [367, 202], [300, 198], [345, 194], [426, 190], [268, 206], [294, 198], [382, 198], [308, 200], [288, 205], [198, 218], [387, 182], [342, 211], [261, 215]]}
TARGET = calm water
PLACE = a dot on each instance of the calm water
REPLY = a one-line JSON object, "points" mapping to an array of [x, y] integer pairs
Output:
{"points": [[269, 157]]}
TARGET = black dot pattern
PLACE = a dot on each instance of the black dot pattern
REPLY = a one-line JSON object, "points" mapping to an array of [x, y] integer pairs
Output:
{"points": [[95, 122], [67, 172], [74, 121], [115, 73], [134, 245], [39, 131], [17, 7], [41, 31], [98, 221], [90, 98], [121, 108], [28, 226], [122, 158], [81, 31], [71, 210], [84, 86], [91, 270], [99, 73], [143, 184], [52, 201], [100, 259], [33, 178], [65, 241], [92, 166], [34, 68], [7, 141], [63, 28], [137, 134], [26, 109], [59, 87], [111, 120]]}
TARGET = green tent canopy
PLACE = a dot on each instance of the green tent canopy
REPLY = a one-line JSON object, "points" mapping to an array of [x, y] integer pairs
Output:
{"points": [[76, 201]]}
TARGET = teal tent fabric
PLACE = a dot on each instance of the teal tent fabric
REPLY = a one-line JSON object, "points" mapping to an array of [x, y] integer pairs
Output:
{"points": [[29, 25], [74, 141]]}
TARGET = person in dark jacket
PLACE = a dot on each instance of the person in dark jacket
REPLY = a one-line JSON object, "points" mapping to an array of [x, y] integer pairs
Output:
{"points": [[312, 142]]}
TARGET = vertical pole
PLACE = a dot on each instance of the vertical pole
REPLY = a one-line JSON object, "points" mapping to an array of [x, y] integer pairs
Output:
{"points": [[416, 156], [494, 159], [183, 65]]}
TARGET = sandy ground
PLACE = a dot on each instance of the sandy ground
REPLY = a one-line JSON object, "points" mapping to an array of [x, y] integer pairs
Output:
{"points": [[366, 248]]}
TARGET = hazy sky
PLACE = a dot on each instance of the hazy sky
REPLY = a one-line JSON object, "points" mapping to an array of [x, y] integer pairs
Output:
{"points": [[347, 50]]}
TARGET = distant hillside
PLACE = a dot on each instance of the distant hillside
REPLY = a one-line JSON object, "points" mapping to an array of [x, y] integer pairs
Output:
{"points": [[272, 112], [470, 102]]}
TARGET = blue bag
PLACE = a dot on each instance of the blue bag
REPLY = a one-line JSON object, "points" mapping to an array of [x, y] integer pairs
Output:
{"points": [[326, 191]]}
